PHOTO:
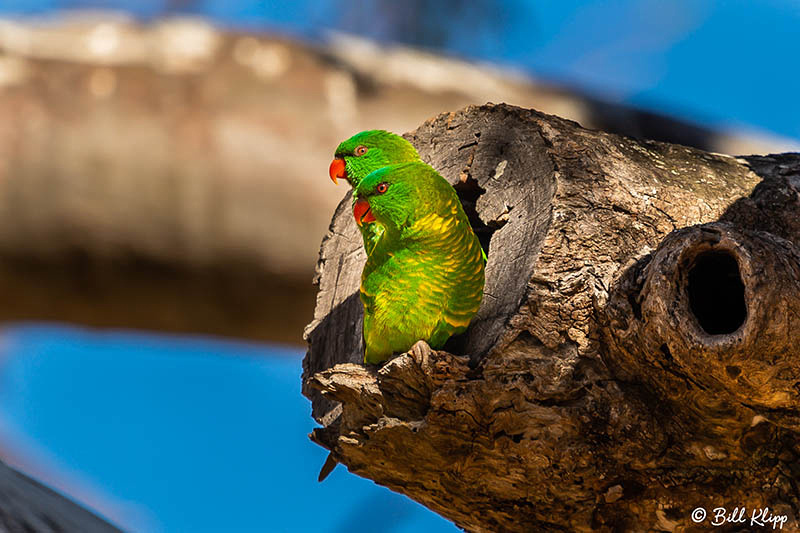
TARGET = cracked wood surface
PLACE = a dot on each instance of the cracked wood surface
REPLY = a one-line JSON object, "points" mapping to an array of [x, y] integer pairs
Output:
{"points": [[582, 397]]}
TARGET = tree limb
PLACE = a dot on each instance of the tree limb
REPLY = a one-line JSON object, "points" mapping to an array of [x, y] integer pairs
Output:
{"points": [[587, 394]]}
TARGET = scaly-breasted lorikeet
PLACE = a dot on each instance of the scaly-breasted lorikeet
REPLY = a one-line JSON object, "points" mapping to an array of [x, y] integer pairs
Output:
{"points": [[424, 278], [366, 152]]}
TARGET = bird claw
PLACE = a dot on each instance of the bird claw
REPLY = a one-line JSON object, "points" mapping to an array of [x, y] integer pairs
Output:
{"points": [[421, 352]]}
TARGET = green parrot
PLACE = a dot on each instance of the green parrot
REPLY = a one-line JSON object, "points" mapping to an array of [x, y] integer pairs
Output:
{"points": [[363, 153], [424, 278]]}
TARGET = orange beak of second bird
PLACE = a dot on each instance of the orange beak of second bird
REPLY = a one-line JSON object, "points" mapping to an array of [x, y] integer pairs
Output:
{"points": [[361, 208], [337, 169], [362, 212]]}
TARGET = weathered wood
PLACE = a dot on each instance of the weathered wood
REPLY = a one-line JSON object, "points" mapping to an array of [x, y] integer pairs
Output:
{"points": [[587, 394], [711, 321], [26, 505]]}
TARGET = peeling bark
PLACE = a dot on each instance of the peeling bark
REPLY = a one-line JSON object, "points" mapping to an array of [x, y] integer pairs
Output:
{"points": [[635, 355]]}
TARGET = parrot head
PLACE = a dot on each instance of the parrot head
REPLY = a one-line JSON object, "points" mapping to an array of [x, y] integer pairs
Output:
{"points": [[396, 196], [367, 151]]}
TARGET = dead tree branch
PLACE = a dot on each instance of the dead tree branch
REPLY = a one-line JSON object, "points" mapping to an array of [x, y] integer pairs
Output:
{"points": [[636, 354]]}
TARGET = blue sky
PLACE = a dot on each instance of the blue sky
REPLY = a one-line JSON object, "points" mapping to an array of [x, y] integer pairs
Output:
{"points": [[721, 63], [181, 434]]}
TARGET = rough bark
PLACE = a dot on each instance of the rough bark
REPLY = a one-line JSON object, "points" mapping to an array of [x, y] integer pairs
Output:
{"points": [[26, 505], [636, 353]]}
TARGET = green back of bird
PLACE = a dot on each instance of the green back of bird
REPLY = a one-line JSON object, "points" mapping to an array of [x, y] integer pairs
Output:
{"points": [[424, 278]]}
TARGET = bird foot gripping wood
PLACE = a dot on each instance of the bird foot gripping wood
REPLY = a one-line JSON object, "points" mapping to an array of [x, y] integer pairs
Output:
{"points": [[421, 352], [363, 392], [401, 388], [371, 399]]}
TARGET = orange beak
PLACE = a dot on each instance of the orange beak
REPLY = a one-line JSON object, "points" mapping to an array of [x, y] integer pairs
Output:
{"points": [[362, 212], [337, 169]]}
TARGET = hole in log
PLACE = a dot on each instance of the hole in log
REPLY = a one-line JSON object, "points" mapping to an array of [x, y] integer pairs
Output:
{"points": [[733, 371], [666, 352], [468, 192], [716, 293]]}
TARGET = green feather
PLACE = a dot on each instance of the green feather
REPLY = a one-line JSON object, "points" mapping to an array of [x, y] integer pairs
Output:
{"points": [[424, 277], [383, 149]]}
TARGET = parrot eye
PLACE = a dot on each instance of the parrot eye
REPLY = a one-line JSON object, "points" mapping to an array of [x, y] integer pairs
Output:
{"points": [[381, 188], [360, 150]]}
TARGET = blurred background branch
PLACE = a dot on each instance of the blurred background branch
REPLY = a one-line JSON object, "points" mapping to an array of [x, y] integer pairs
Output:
{"points": [[171, 176]]}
